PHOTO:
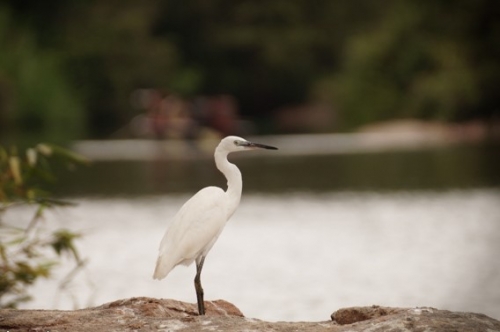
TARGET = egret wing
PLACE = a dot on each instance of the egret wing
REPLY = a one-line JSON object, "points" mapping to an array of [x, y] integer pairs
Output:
{"points": [[193, 230]]}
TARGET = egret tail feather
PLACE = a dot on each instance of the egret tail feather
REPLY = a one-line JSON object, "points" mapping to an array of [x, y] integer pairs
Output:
{"points": [[163, 268]]}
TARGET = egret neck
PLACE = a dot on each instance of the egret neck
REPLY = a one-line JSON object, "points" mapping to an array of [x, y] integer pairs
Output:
{"points": [[233, 176]]}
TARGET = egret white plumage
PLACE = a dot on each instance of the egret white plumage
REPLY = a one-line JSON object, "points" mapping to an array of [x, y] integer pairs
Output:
{"points": [[199, 222]]}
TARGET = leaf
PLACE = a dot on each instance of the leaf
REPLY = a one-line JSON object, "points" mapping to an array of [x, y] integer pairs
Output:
{"points": [[68, 154], [44, 149], [15, 168], [3, 153], [63, 242], [31, 156], [25, 273]]}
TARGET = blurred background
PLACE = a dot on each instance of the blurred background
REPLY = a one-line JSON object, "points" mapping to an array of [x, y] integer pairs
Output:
{"points": [[386, 187], [85, 69]]}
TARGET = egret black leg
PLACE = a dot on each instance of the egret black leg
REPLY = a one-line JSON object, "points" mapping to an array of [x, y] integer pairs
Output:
{"points": [[197, 286]]}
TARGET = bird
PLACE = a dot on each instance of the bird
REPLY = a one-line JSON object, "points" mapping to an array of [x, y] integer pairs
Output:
{"points": [[197, 225]]}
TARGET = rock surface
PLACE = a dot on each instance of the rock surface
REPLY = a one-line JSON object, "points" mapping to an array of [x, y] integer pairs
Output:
{"points": [[148, 314]]}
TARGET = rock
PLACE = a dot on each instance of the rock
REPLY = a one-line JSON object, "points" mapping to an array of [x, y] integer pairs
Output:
{"points": [[378, 318], [358, 314], [161, 308], [148, 314]]}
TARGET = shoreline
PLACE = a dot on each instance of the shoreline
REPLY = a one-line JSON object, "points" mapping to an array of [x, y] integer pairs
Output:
{"points": [[393, 136]]}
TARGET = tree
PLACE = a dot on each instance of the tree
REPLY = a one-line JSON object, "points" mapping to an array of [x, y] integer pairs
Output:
{"points": [[419, 60], [35, 93]]}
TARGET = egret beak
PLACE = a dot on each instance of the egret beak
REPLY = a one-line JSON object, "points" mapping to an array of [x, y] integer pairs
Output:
{"points": [[258, 146]]}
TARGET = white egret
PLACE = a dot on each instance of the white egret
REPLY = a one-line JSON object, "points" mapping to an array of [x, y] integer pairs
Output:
{"points": [[199, 222]]}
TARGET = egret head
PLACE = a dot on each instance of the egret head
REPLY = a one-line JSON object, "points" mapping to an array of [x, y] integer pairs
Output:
{"points": [[235, 143]]}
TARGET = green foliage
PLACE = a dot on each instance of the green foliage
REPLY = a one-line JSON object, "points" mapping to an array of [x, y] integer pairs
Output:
{"points": [[111, 51], [77, 62], [419, 60], [35, 93], [27, 251], [371, 60]]}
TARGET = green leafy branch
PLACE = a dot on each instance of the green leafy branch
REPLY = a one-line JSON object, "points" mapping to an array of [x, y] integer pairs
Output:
{"points": [[27, 251]]}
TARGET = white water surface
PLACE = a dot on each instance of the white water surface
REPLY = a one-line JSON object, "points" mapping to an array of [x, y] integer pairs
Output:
{"points": [[295, 257]]}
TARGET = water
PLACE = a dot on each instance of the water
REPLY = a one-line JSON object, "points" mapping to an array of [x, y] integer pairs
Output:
{"points": [[311, 235], [299, 256], [465, 167]]}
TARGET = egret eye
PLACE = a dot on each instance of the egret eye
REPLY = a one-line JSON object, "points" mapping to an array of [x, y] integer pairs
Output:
{"points": [[237, 143]]}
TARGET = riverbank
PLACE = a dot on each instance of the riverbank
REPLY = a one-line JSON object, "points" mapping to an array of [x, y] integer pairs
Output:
{"points": [[396, 135]]}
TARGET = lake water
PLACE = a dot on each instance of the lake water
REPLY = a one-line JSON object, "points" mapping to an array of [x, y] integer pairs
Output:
{"points": [[311, 235], [455, 167]]}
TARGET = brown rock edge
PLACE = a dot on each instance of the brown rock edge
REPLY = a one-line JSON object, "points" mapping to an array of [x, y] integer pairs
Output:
{"points": [[148, 314]]}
